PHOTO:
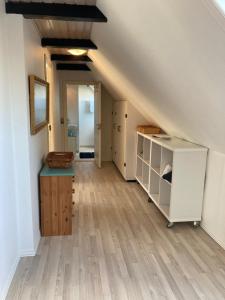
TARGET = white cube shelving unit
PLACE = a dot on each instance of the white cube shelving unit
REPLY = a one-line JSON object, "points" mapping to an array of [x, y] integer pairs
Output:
{"points": [[181, 199]]}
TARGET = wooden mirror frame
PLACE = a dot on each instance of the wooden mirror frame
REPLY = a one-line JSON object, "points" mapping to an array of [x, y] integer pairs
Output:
{"points": [[35, 128]]}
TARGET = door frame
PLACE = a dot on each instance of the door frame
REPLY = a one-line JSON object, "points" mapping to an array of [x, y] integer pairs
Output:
{"points": [[63, 106]]}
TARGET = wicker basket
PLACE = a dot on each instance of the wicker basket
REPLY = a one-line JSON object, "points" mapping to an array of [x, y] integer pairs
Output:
{"points": [[61, 160], [148, 129]]}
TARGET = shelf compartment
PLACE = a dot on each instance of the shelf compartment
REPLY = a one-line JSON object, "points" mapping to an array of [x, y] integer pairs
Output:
{"points": [[146, 150], [164, 200], [139, 169], [145, 176], [166, 159], [156, 157], [154, 186], [140, 145]]}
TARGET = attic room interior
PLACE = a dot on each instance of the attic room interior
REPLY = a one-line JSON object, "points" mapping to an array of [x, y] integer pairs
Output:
{"points": [[112, 157]]}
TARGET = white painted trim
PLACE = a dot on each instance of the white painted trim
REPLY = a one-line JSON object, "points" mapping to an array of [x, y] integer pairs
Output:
{"points": [[30, 252], [23, 253], [9, 279], [219, 242], [27, 253]]}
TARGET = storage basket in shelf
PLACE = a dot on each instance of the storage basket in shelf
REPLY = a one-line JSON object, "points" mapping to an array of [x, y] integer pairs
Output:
{"points": [[148, 129], [61, 160]]}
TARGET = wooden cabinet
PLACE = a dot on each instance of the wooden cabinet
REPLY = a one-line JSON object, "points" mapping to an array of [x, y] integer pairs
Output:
{"points": [[125, 121], [56, 201]]}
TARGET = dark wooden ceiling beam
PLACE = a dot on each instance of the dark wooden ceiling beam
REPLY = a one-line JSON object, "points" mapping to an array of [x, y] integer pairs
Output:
{"points": [[65, 57], [68, 43], [56, 11], [72, 67]]}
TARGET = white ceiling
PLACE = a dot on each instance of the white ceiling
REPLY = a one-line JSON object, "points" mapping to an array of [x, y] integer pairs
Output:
{"points": [[62, 29], [168, 59]]}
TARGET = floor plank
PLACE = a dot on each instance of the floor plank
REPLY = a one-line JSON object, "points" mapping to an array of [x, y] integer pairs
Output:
{"points": [[120, 249]]}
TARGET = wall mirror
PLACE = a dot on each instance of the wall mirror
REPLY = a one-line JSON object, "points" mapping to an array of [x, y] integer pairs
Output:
{"points": [[39, 103]]}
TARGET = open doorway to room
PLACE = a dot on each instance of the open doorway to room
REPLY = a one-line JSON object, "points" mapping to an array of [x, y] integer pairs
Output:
{"points": [[82, 121]]}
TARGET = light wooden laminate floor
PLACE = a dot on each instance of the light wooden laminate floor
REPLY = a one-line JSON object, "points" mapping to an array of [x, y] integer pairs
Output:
{"points": [[120, 249]]}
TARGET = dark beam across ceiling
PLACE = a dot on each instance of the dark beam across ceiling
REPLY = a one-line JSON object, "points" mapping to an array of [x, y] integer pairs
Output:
{"points": [[72, 67], [55, 11], [68, 43], [64, 57]]}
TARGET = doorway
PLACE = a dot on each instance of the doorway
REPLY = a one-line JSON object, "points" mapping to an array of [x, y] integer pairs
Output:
{"points": [[82, 120]]}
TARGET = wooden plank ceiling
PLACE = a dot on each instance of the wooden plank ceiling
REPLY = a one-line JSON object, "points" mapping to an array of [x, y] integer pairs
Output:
{"points": [[64, 29]]}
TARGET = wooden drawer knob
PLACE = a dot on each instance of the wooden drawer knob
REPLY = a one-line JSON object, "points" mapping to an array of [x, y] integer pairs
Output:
{"points": [[73, 191], [73, 203]]}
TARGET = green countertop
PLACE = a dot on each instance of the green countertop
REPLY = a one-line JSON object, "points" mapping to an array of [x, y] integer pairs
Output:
{"points": [[46, 171]]}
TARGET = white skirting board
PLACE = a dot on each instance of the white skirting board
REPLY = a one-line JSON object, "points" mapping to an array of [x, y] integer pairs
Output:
{"points": [[9, 279], [27, 253], [23, 253], [31, 252], [219, 242]]}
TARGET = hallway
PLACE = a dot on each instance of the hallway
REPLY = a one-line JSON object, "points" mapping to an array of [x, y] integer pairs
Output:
{"points": [[120, 249]]}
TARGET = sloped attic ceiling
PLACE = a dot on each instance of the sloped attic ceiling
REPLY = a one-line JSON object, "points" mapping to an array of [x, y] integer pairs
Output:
{"points": [[167, 58]]}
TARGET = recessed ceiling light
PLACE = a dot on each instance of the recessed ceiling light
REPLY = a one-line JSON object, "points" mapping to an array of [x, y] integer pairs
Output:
{"points": [[77, 52]]}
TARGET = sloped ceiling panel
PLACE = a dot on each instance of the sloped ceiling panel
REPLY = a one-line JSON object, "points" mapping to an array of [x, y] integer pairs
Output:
{"points": [[168, 59]]}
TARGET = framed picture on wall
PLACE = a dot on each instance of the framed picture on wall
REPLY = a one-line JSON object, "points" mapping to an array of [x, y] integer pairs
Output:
{"points": [[39, 103]]}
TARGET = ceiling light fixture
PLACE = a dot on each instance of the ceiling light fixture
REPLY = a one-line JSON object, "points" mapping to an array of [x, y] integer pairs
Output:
{"points": [[77, 52]]}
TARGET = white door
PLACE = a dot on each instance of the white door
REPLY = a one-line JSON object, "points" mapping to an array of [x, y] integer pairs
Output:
{"points": [[114, 144], [97, 120], [119, 134]]}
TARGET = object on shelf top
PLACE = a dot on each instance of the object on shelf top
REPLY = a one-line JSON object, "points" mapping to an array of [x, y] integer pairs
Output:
{"points": [[162, 136], [148, 129], [59, 159]]}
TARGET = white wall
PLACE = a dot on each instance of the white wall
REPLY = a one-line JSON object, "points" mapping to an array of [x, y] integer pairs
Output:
{"points": [[8, 206], [214, 202], [38, 144], [75, 76], [86, 118], [21, 153], [171, 67]]}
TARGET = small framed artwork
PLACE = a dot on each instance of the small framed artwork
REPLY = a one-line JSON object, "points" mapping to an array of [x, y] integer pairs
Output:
{"points": [[39, 103]]}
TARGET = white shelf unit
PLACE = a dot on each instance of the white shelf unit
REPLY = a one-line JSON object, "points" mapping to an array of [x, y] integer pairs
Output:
{"points": [[179, 200]]}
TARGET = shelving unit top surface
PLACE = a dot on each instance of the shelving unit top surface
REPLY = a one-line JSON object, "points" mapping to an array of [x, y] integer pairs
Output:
{"points": [[46, 171], [174, 144]]}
